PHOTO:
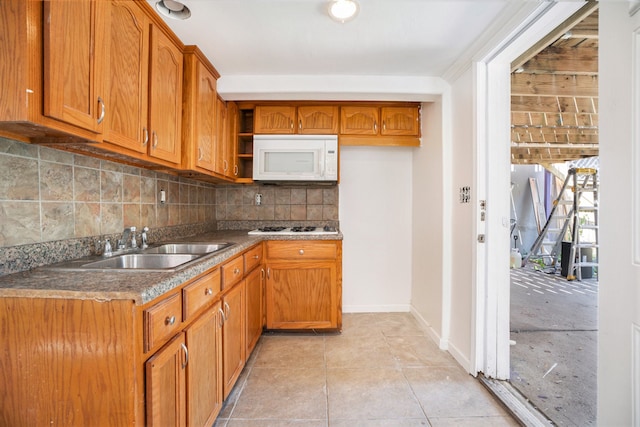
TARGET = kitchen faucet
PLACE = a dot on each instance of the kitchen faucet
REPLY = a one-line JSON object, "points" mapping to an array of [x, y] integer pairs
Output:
{"points": [[145, 229], [128, 235]]}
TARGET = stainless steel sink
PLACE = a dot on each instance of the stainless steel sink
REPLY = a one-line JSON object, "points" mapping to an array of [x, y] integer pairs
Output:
{"points": [[187, 248], [166, 257], [142, 261]]}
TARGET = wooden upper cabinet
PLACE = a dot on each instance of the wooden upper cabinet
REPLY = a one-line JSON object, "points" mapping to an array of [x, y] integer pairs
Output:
{"points": [[403, 121], [359, 120], [275, 119], [199, 112], [221, 165], [291, 119], [322, 119], [165, 97], [127, 76], [72, 33], [230, 149]]}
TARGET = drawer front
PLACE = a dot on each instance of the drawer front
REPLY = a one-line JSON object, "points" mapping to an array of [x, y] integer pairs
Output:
{"points": [[232, 272], [302, 250], [200, 293], [162, 321], [252, 258]]}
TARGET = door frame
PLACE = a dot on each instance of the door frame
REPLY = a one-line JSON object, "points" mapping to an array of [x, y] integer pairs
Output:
{"points": [[492, 77]]}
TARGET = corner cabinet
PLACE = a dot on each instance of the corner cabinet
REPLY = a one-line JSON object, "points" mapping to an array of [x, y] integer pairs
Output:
{"points": [[304, 284]]}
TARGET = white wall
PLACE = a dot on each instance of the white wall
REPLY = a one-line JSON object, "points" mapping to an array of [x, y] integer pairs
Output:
{"points": [[619, 276], [462, 237], [430, 278], [375, 218]]}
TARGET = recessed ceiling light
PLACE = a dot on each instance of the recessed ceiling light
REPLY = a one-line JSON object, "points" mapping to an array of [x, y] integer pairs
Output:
{"points": [[343, 10], [173, 9]]}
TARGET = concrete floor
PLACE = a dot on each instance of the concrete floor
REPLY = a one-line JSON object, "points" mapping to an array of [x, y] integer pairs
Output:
{"points": [[553, 362]]}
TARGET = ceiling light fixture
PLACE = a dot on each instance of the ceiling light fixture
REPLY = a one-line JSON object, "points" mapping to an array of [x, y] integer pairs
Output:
{"points": [[173, 9], [343, 10]]}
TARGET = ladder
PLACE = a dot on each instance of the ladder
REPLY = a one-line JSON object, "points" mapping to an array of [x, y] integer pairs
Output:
{"points": [[573, 217]]}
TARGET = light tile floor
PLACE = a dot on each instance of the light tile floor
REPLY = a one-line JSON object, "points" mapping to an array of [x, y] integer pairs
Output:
{"points": [[382, 371]]}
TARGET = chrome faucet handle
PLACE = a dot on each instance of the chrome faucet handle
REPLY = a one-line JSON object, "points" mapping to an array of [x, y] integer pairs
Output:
{"points": [[107, 248], [134, 244], [145, 229]]}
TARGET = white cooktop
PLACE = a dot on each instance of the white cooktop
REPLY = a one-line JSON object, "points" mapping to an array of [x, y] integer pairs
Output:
{"points": [[291, 231]]}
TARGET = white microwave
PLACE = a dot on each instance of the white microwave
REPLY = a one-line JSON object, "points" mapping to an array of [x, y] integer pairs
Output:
{"points": [[295, 158]]}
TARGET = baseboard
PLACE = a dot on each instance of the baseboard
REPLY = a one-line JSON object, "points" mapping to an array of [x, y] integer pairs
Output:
{"points": [[393, 308], [442, 343], [460, 357]]}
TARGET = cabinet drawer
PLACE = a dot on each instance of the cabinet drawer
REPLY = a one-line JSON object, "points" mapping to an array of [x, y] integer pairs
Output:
{"points": [[232, 272], [252, 258], [302, 250], [200, 293], [162, 321]]}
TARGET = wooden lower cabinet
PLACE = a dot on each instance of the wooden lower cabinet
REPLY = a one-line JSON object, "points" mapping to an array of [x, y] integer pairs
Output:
{"points": [[254, 296], [304, 285], [233, 336], [204, 370], [166, 385]]}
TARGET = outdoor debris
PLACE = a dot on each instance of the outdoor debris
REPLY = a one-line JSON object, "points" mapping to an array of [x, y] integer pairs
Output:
{"points": [[550, 369]]}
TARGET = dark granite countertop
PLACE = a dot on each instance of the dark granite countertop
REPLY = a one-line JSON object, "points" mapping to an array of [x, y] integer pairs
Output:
{"points": [[141, 287]]}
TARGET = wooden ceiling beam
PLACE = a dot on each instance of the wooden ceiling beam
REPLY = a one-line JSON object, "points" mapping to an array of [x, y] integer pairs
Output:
{"points": [[553, 105], [554, 85], [567, 25], [564, 60]]}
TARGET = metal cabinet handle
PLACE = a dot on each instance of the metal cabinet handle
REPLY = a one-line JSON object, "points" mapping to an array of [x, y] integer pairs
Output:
{"points": [[186, 355], [225, 165], [235, 170], [236, 270], [262, 273], [102, 111], [384, 125], [199, 153], [268, 273], [155, 139], [222, 317], [170, 320], [291, 120], [208, 291], [146, 136], [375, 126], [227, 311], [301, 251], [256, 257], [300, 124]]}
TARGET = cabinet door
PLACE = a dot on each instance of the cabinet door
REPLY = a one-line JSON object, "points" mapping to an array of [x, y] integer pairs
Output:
{"points": [[204, 371], [229, 147], [205, 105], [221, 165], [276, 119], [253, 284], [359, 120], [233, 336], [318, 119], [400, 121], [166, 386], [72, 46], [302, 295], [165, 99], [127, 76]]}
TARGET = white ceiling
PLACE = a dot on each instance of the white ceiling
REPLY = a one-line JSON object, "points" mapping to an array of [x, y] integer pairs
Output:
{"points": [[388, 38]]}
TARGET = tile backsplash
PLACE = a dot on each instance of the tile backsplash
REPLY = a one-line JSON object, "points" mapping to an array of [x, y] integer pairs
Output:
{"points": [[56, 205], [48, 195], [310, 204]]}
